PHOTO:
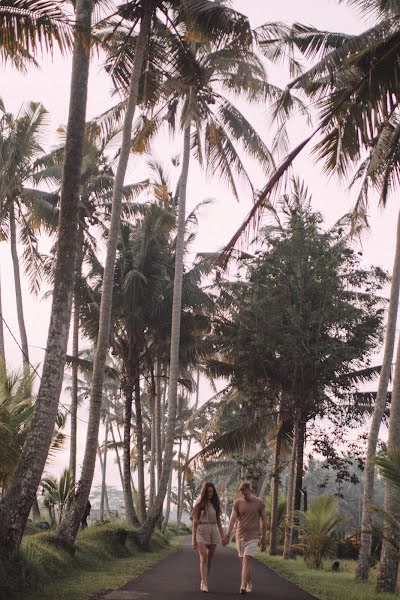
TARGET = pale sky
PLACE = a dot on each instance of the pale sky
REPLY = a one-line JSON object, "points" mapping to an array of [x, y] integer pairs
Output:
{"points": [[50, 85]]}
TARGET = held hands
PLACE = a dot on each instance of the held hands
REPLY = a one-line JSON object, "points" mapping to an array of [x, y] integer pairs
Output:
{"points": [[225, 539]]}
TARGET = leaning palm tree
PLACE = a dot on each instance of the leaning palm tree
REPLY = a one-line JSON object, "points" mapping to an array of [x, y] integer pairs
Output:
{"points": [[15, 506], [28, 27], [97, 179]]}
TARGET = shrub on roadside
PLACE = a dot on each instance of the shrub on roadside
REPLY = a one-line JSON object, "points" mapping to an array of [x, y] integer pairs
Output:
{"points": [[42, 560], [317, 530]]}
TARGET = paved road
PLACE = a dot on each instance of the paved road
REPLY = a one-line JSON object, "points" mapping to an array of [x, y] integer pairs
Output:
{"points": [[177, 578]]}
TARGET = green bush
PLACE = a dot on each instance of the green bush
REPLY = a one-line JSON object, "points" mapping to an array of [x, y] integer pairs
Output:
{"points": [[175, 529], [42, 560], [317, 529]]}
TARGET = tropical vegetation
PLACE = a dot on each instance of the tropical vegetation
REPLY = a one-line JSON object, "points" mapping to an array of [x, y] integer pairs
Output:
{"points": [[167, 366]]}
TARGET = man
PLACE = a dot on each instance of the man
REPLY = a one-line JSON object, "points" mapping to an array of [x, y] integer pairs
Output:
{"points": [[86, 515], [248, 511]]}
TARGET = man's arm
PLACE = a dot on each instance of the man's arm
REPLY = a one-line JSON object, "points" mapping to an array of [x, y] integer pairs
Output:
{"points": [[263, 517], [232, 523]]}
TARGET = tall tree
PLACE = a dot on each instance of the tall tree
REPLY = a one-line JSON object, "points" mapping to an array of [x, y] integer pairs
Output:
{"points": [[15, 506], [20, 205], [289, 290], [389, 565], [96, 184], [208, 120], [69, 528]]}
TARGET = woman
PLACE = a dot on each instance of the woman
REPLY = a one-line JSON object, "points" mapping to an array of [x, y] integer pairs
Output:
{"points": [[207, 529]]}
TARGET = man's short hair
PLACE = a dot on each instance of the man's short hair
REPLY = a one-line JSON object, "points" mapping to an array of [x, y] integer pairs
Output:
{"points": [[245, 485]]}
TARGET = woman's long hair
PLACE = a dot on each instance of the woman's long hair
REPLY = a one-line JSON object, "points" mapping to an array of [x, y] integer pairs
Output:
{"points": [[201, 503]]}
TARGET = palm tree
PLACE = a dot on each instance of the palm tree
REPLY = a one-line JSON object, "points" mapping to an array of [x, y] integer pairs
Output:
{"points": [[141, 315], [31, 26], [16, 408], [15, 506], [389, 469], [58, 494], [210, 122], [17, 403], [97, 178], [69, 528], [21, 206], [2, 349], [141, 11], [317, 530], [389, 564]]}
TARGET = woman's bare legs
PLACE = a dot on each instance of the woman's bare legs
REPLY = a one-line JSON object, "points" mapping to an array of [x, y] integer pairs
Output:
{"points": [[203, 553], [210, 552]]}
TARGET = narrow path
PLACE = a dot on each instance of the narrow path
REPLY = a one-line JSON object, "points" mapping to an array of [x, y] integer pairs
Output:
{"points": [[177, 578]]}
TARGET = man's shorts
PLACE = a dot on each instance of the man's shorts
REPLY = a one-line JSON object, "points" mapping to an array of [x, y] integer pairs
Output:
{"points": [[246, 548]]}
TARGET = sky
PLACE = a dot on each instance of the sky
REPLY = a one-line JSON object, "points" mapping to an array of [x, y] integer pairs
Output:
{"points": [[50, 85]]}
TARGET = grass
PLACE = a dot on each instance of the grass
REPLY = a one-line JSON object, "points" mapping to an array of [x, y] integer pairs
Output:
{"points": [[325, 584], [106, 558]]}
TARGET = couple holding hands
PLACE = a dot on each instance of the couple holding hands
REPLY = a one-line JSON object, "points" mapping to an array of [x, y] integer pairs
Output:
{"points": [[247, 514]]}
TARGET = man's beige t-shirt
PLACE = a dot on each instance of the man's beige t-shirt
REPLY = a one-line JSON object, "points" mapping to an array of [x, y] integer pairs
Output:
{"points": [[248, 514]]}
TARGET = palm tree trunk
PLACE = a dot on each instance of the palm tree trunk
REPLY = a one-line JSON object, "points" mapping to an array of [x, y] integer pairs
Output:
{"points": [[298, 487], [74, 390], [70, 525], [147, 528], [153, 457], [105, 485], [117, 455], [363, 564], [158, 420], [104, 470], [389, 564], [133, 518], [163, 411], [179, 473], [189, 446], [18, 291], [15, 506], [129, 506], [168, 506], [139, 446], [273, 540], [153, 488], [290, 495], [2, 348], [75, 355]]}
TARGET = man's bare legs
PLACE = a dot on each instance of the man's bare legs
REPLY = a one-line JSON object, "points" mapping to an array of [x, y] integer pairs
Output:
{"points": [[246, 573]]}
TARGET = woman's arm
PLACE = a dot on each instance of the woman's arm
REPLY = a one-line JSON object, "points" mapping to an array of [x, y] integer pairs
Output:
{"points": [[221, 529], [194, 528]]}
